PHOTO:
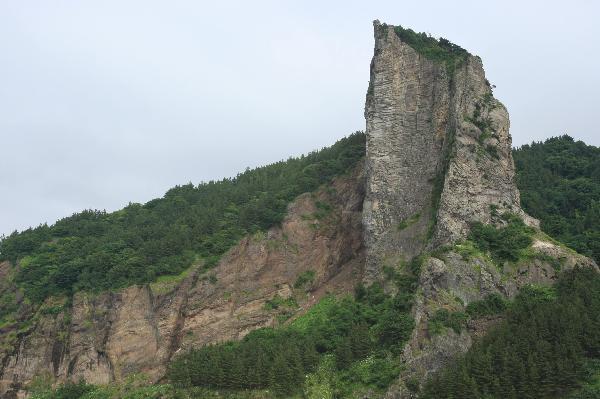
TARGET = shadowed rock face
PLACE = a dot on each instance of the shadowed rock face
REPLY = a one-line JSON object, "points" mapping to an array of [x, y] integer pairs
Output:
{"points": [[438, 153], [108, 336]]}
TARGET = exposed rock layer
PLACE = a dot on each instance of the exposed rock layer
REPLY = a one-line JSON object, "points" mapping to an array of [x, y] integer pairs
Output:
{"points": [[431, 169], [439, 159], [108, 336]]}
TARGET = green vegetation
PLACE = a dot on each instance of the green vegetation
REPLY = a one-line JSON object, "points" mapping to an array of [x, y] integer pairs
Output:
{"points": [[547, 346], [506, 243], [443, 319], [441, 50], [278, 302], [305, 278], [492, 304], [96, 250], [559, 180], [342, 344], [409, 222], [134, 387], [591, 388]]}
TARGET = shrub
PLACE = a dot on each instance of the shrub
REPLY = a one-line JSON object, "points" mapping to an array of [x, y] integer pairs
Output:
{"points": [[491, 305], [504, 243], [305, 278]]}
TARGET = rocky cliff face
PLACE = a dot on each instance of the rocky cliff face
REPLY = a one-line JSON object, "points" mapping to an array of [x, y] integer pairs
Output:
{"points": [[438, 152], [438, 160], [105, 337]]}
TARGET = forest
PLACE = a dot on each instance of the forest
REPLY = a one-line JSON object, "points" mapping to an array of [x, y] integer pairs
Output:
{"points": [[559, 180], [362, 334], [340, 346], [547, 346]]}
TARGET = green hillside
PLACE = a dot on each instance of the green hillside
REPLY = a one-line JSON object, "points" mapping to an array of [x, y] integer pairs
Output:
{"points": [[559, 180], [96, 250], [547, 345]]}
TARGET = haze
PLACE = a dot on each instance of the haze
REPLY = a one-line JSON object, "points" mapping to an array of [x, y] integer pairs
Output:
{"points": [[107, 102]]}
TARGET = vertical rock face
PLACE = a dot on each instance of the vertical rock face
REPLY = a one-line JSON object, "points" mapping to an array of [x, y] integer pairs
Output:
{"points": [[439, 159], [438, 152]]}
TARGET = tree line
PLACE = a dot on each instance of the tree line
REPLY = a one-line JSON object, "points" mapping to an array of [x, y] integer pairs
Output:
{"points": [[559, 180], [95, 250]]}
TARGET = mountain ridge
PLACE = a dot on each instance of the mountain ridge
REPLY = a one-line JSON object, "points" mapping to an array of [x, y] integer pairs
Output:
{"points": [[425, 228]]}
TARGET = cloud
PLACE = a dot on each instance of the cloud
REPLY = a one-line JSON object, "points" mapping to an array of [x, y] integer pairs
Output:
{"points": [[108, 102]]}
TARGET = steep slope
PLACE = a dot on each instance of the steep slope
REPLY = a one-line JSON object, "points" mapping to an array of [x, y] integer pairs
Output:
{"points": [[105, 337], [559, 180], [438, 149], [431, 224], [440, 185]]}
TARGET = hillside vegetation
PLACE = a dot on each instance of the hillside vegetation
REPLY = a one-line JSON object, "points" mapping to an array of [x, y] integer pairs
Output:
{"points": [[559, 180], [547, 346], [96, 250]]}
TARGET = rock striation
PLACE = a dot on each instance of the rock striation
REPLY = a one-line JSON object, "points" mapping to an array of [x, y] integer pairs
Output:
{"points": [[438, 152], [106, 337], [438, 159]]}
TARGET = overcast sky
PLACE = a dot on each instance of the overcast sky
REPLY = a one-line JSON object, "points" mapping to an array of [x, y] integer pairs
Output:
{"points": [[106, 102]]}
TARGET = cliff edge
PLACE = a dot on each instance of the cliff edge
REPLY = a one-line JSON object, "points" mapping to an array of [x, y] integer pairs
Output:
{"points": [[438, 162]]}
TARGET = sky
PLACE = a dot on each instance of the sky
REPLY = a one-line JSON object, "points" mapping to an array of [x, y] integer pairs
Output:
{"points": [[108, 102]]}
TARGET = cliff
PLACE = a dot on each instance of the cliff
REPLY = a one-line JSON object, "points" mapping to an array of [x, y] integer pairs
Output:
{"points": [[438, 166], [438, 151], [439, 161], [105, 337]]}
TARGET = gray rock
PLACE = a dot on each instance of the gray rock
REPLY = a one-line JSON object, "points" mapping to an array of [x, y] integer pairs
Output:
{"points": [[439, 159]]}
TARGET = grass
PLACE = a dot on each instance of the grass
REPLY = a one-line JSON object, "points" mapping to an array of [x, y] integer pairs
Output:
{"points": [[317, 314], [442, 50], [409, 222], [167, 283], [443, 319], [278, 302]]}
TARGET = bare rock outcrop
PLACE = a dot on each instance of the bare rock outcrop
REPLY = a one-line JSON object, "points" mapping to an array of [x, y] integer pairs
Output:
{"points": [[438, 152], [438, 160], [105, 337]]}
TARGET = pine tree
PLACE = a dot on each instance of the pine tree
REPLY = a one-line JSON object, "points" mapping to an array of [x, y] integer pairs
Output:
{"points": [[343, 354], [360, 341]]}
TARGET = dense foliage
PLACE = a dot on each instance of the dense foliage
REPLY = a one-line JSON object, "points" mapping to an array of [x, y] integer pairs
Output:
{"points": [[559, 181], [504, 243], [547, 346], [370, 325], [441, 50], [95, 250], [134, 387]]}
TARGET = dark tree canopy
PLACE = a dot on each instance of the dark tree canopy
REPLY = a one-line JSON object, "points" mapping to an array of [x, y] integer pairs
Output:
{"points": [[559, 181], [547, 346]]}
